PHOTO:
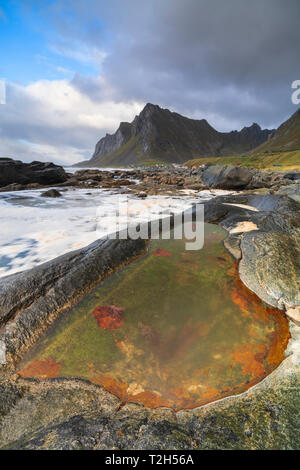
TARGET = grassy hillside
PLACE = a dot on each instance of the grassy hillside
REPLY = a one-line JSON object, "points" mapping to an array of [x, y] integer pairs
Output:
{"points": [[279, 161], [285, 139]]}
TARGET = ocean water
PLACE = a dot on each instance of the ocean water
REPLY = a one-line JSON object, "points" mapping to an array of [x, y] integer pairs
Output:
{"points": [[35, 229]]}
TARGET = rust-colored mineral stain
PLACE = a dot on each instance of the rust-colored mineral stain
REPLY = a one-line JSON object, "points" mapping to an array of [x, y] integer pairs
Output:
{"points": [[119, 389], [126, 393], [149, 399], [109, 317], [41, 369], [183, 396], [162, 253], [251, 358]]}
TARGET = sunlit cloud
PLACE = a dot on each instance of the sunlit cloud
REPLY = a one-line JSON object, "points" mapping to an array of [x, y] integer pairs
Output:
{"points": [[52, 120]]}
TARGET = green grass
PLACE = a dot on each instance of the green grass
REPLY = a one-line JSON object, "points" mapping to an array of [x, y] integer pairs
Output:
{"points": [[289, 160]]}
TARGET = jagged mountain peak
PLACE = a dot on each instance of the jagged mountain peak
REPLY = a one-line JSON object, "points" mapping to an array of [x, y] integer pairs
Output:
{"points": [[158, 134]]}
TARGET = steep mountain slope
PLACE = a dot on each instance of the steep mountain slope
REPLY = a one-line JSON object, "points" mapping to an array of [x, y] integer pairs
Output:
{"points": [[160, 135], [285, 138]]}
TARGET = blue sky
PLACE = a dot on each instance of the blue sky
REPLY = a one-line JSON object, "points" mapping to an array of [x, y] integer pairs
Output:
{"points": [[30, 49], [75, 68], [48, 52]]}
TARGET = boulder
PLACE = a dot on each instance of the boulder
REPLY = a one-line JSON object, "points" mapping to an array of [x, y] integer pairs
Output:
{"points": [[291, 190], [51, 193], [15, 171], [292, 176], [227, 177], [270, 267], [267, 179]]}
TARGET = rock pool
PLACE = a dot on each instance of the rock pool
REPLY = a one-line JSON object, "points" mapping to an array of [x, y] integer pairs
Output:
{"points": [[175, 328]]}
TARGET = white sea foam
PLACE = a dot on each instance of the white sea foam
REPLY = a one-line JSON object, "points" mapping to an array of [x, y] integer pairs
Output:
{"points": [[35, 229], [73, 169]]}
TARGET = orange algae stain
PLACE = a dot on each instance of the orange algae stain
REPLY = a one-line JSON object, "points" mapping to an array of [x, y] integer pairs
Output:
{"points": [[160, 252], [128, 392], [208, 395], [251, 359], [249, 302], [149, 399], [280, 341], [119, 389], [234, 270], [41, 369], [259, 363], [192, 395], [109, 317]]}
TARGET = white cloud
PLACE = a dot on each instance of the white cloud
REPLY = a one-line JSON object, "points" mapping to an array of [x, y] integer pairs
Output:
{"points": [[53, 120], [27, 151]]}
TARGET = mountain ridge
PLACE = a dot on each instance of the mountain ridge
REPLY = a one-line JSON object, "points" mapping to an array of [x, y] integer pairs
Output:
{"points": [[160, 135], [285, 138]]}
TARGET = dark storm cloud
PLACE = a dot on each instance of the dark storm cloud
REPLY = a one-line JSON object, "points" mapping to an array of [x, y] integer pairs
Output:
{"points": [[233, 58]]}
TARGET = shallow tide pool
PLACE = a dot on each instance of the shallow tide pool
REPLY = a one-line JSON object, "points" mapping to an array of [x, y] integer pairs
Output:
{"points": [[174, 328]]}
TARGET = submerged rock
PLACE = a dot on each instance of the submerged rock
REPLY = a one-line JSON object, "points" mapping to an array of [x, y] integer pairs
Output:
{"points": [[51, 193], [109, 317]]}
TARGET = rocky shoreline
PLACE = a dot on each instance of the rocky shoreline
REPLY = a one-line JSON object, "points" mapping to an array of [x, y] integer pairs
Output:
{"points": [[157, 180], [263, 235]]}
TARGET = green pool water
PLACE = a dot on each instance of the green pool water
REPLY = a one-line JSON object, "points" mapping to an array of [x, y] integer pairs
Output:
{"points": [[174, 328]]}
